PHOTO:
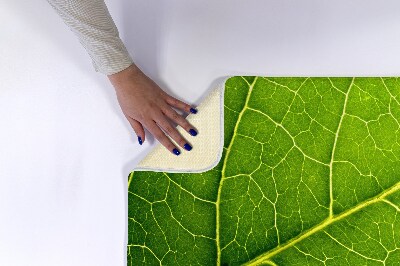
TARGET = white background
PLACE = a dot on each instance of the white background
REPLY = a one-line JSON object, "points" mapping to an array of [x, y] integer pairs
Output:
{"points": [[65, 147]]}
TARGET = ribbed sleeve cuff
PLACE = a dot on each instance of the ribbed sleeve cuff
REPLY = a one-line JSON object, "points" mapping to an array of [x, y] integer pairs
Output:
{"points": [[110, 56]]}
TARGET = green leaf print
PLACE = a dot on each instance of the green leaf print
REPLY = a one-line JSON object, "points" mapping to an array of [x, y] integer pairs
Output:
{"points": [[309, 175]]}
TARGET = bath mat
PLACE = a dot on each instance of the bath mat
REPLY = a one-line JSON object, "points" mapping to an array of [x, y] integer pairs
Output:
{"points": [[309, 175]]}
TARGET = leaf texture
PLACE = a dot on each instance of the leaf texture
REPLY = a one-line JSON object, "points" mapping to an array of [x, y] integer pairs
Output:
{"points": [[309, 175]]}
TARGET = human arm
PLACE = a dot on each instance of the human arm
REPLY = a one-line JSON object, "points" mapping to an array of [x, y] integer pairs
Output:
{"points": [[142, 101], [92, 23]]}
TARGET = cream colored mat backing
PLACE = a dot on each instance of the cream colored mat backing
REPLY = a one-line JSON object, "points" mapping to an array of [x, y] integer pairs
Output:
{"points": [[207, 145]]}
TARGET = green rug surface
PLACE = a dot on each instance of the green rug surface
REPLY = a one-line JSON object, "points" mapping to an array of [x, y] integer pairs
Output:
{"points": [[309, 175]]}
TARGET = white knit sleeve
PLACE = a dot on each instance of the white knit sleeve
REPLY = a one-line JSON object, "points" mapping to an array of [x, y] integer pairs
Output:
{"points": [[92, 23]]}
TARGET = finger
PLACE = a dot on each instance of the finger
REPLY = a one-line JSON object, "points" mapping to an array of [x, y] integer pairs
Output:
{"points": [[161, 137], [173, 132], [180, 105], [178, 119], [138, 128]]}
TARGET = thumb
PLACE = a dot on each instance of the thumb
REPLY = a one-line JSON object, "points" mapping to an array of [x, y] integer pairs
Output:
{"points": [[138, 128]]}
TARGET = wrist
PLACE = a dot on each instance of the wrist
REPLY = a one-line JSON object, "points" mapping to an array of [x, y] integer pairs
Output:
{"points": [[124, 75]]}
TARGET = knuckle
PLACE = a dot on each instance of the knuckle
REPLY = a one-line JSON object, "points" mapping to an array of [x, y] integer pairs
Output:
{"points": [[158, 135], [167, 143], [133, 126], [170, 146], [186, 125], [182, 141], [141, 115], [146, 124], [169, 129], [175, 116], [172, 100]]}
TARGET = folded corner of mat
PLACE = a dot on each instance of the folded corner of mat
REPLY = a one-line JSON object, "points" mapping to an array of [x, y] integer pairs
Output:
{"points": [[207, 144]]}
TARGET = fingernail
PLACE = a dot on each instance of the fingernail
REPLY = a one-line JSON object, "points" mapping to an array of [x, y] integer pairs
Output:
{"points": [[140, 140], [192, 132], [176, 152], [187, 147], [193, 111]]}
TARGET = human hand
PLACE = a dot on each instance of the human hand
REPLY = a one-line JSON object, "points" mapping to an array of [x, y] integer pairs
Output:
{"points": [[144, 103]]}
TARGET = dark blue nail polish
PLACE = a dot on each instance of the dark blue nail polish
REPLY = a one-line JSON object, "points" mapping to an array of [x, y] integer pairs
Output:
{"points": [[192, 132], [193, 111], [187, 147], [176, 152], [140, 140]]}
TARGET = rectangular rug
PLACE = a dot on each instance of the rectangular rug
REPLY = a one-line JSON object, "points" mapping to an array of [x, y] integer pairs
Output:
{"points": [[284, 171]]}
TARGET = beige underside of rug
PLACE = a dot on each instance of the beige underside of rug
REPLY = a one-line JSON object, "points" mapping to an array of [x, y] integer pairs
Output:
{"points": [[207, 145]]}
